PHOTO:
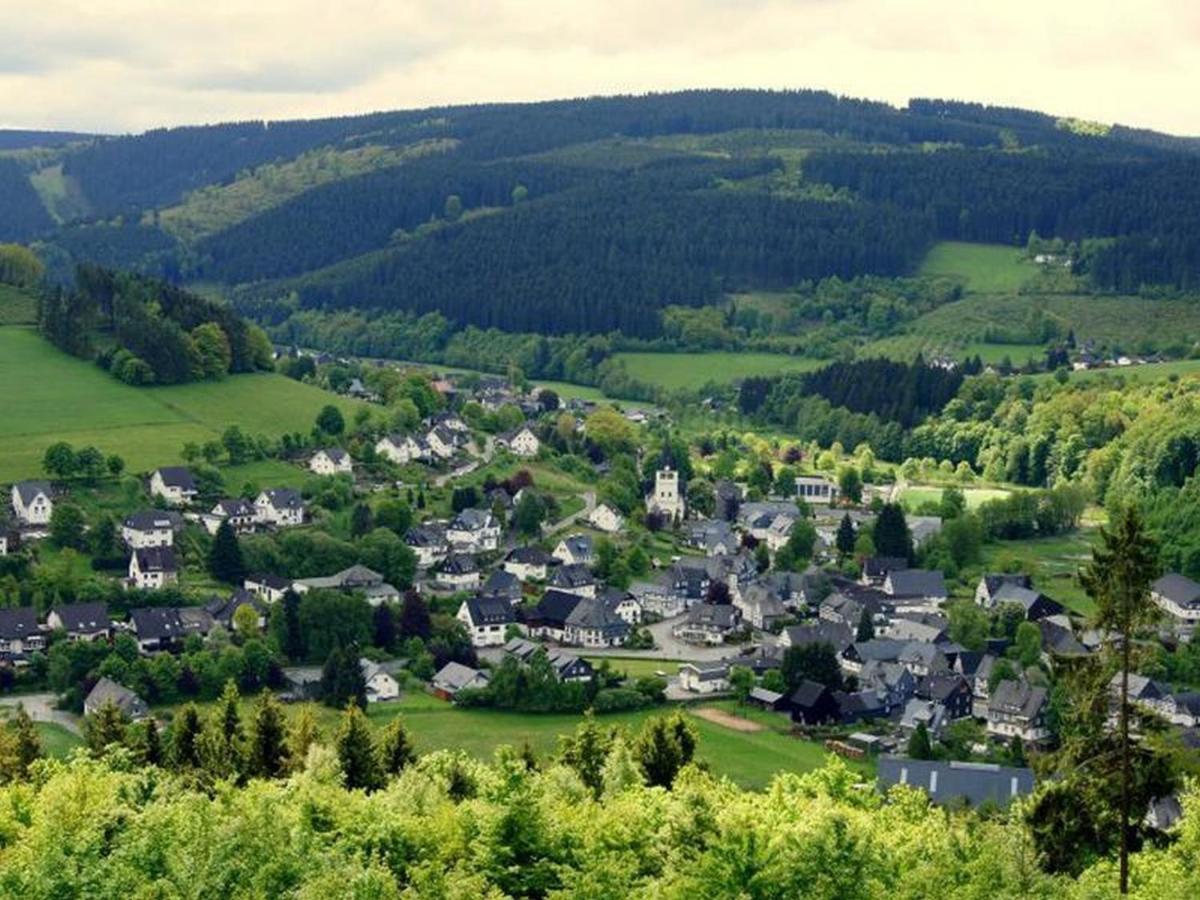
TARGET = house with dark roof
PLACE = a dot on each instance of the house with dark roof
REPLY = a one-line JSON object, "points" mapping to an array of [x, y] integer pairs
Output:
{"points": [[429, 543], [459, 572], [240, 514], [520, 441], [151, 528], [503, 585], [1035, 604], [566, 666], [813, 704], [709, 623], [331, 461], [486, 620], [1178, 596], [876, 569], [704, 677], [595, 623], [166, 627], [951, 692], [279, 508], [267, 587], [953, 783], [107, 691], [223, 610], [33, 502], [574, 578], [355, 579], [924, 585], [80, 621], [528, 563], [174, 485], [1018, 709], [20, 633], [152, 568], [854, 707], [454, 677], [474, 531], [714, 537], [992, 582], [765, 699], [575, 550]]}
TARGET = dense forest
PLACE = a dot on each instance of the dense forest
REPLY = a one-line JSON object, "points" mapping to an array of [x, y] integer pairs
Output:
{"points": [[162, 334], [22, 215]]}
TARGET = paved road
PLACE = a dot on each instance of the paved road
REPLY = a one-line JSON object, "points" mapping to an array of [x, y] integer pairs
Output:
{"points": [[589, 504], [41, 709], [489, 450]]}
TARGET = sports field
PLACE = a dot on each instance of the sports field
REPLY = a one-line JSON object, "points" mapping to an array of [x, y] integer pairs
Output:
{"points": [[50, 396], [681, 371]]}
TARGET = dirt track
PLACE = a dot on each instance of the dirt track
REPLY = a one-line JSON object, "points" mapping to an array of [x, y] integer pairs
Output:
{"points": [[720, 717]]}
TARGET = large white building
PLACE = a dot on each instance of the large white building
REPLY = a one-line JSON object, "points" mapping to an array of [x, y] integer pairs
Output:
{"points": [[32, 503], [666, 498]]}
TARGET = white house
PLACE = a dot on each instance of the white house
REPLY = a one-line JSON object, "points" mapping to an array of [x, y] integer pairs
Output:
{"points": [[149, 528], [402, 448], [527, 563], [1018, 709], [486, 620], [32, 503], [445, 441], [331, 461], [459, 572], [816, 489], [474, 531], [605, 518], [666, 498], [575, 550], [704, 678], [240, 514], [151, 568], [270, 588], [1178, 596], [20, 633], [174, 484], [280, 507], [521, 442], [381, 684], [429, 544]]}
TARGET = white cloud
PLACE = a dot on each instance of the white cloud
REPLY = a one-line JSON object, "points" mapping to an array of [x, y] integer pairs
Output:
{"points": [[126, 65]]}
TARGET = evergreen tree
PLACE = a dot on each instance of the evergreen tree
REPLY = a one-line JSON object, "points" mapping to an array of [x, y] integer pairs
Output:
{"points": [[105, 728], [152, 749], [302, 735], [268, 754], [342, 679], [27, 742], [890, 535], [225, 556], [665, 745], [185, 738], [292, 639], [845, 537], [356, 751], [866, 627], [586, 751], [812, 662], [361, 520], [384, 627], [1118, 578], [414, 617], [919, 745], [395, 748]]}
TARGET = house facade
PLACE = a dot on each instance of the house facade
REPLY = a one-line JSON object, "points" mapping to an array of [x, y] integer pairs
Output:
{"points": [[174, 485], [331, 461], [152, 568], [32, 502]]}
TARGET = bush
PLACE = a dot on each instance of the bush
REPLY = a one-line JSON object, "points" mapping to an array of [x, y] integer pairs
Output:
{"points": [[618, 700]]}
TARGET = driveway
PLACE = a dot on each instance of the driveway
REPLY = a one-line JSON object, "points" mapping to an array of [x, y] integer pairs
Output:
{"points": [[589, 504], [41, 709]]}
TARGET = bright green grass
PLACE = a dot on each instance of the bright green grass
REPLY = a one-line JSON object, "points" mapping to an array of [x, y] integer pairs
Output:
{"points": [[749, 759], [50, 396], [1149, 372], [265, 473], [638, 666], [16, 306], [57, 741], [1053, 562], [985, 268], [679, 371], [915, 497]]}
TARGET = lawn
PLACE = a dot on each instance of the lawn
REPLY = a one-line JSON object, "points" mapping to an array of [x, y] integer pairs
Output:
{"points": [[686, 371], [749, 759], [915, 497], [638, 666], [1053, 562], [56, 740], [266, 473], [985, 268], [51, 396], [16, 306]]}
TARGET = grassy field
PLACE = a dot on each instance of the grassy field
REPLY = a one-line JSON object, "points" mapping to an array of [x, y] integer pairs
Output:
{"points": [[1130, 374], [16, 307], [638, 666], [1054, 563], [677, 371], [985, 268], [750, 759], [51, 396], [56, 740], [915, 497]]}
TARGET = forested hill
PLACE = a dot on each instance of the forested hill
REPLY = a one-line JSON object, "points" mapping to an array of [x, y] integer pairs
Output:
{"points": [[591, 215]]}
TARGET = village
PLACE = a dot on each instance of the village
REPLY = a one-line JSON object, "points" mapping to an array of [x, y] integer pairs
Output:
{"points": [[799, 595]]}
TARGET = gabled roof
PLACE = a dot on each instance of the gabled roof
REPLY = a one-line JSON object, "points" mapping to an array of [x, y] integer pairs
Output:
{"points": [[156, 559], [267, 580], [554, 608], [594, 614], [473, 520], [528, 556], [952, 781], [233, 507], [502, 584], [917, 583], [283, 498], [838, 635], [222, 609], [28, 490], [574, 575], [881, 566], [428, 535], [459, 564], [152, 623], [993, 581], [714, 615], [489, 611], [1179, 589], [177, 477], [18, 622], [1018, 698], [455, 676], [153, 520], [808, 694], [108, 691], [83, 618], [578, 545]]}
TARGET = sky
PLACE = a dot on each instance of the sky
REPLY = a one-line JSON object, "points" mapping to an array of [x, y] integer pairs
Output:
{"points": [[118, 66]]}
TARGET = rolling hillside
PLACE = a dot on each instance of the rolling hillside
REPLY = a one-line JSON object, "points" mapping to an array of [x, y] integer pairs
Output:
{"points": [[55, 397]]}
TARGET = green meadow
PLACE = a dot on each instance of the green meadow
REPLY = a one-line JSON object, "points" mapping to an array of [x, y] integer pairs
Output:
{"points": [[680, 371], [51, 396], [985, 268]]}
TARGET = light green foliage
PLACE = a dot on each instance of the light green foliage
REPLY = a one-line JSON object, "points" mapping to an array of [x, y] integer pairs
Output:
{"points": [[985, 268], [676, 371]]}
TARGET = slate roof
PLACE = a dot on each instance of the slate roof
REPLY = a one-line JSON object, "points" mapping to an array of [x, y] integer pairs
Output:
{"points": [[28, 490], [917, 583], [284, 498], [233, 507], [18, 622], [1178, 589], [106, 690], [83, 618], [177, 477], [156, 559], [529, 556], [594, 614], [153, 520], [954, 781], [807, 694], [835, 633], [993, 581], [1018, 698], [554, 608], [454, 676], [502, 584], [575, 575], [459, 564], [489, 611], [151, 623], [881, 566], [713, 615]]}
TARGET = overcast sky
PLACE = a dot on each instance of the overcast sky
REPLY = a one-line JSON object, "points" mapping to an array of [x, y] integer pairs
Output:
{"points": [[128, 65]]}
